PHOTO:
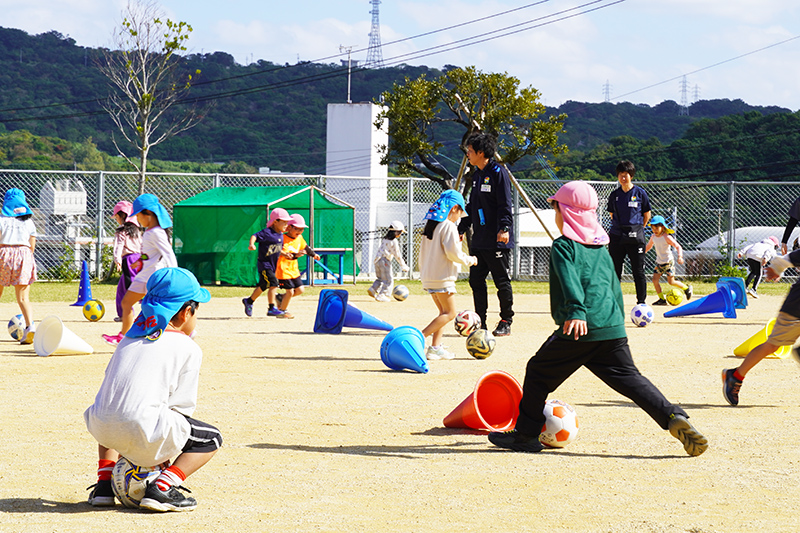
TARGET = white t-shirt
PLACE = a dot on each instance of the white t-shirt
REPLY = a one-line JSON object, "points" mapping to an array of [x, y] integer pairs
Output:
{"points": [[15, 232], [440, 258], [663, 249], [155, 245], [148, 388], [390, 248]]}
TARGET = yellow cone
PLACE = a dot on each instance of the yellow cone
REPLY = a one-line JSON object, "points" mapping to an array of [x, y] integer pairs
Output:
{"points": [[760, 338]]}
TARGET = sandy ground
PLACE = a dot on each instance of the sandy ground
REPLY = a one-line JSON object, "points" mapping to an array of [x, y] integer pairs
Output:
{"points": [[321, 436]]}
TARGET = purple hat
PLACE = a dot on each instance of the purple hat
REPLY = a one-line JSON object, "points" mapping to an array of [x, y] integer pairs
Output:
{"points": [[577, 202]]}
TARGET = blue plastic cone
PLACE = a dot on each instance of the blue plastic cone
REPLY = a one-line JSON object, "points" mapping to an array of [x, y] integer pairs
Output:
{"points": [[717, 302], [334, 313], [403, 348], [85, 288], [737, 286]]}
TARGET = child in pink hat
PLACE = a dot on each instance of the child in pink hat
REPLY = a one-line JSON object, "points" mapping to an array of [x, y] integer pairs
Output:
{"points": [[127, 249], [270, 244], [294, 246], [586, 304]]}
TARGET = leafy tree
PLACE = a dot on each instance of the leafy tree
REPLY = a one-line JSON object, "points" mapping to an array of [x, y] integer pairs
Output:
{"points": [[423, 111], [144, 68]]}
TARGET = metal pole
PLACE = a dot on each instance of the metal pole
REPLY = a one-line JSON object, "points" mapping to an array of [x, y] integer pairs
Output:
{"points": [[410, 228], [731, 222], [100, 232]]}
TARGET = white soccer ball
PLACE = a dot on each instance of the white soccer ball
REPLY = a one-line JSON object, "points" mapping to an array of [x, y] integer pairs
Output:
{"points": [[130, 481], [467, 322], [560, 425], [642, 315], [16, 327], [400, 293]]}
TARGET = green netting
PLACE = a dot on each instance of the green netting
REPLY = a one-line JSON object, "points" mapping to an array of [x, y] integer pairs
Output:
{"points": [[212, 229]]}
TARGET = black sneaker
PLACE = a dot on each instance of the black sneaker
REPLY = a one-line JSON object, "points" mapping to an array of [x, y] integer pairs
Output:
{"points": [[156, 499], [248, 306], [660, 301], [514, 440], [693, 441], [730, 386], [688, 292], [503, 329], [102, 495]]}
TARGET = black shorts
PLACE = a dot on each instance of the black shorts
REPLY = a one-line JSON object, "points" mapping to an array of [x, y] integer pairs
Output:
{"points": [[204, 437], [289, 284], [266, 279]]}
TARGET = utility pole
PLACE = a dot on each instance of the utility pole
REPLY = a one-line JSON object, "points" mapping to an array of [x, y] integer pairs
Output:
{"points": [[348, 49]]}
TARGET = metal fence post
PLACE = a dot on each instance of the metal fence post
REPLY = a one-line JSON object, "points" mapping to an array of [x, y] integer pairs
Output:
{"points": [[410, 228], [731, 222], [100, 231], [216, 181]]}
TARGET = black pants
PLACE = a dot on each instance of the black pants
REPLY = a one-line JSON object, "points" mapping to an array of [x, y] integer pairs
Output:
{"points": [[635, 251], [610, 361], [754, 275], [496, 262]]}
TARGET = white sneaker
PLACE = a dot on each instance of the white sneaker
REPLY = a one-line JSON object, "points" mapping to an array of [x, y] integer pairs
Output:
{"points": [[382, 298], [27, 335], [372, 292], [434, 354], [752, 293]]}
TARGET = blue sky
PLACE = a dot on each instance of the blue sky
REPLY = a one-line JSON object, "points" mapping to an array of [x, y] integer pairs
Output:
{"points": [[640, 48]]}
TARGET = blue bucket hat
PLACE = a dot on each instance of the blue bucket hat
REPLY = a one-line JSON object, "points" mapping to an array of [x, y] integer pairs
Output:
{"points": [[167, 290], [14, 204], [658, 219], [150, 202], [441, 207]]}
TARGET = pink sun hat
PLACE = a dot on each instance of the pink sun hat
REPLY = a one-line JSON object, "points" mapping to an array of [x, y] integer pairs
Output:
{"points": [[577, 201], [297, 221], [123, 206], [278, 213]]}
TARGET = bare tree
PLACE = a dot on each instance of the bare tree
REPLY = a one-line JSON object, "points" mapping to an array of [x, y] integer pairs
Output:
{"points": [[143, 68]]}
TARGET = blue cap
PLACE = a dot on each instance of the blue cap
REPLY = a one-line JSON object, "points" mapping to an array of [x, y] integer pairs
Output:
{"points": [[658, 219], [441, 207], [167, 290], [14, 204], [150, 202]]}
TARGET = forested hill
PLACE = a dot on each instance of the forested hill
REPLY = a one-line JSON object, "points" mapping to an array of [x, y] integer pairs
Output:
{"points": [[272, 115]]}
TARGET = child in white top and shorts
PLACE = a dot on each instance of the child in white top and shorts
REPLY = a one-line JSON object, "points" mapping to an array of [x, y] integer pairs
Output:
{"points": [[389, 249], [663, 241]]}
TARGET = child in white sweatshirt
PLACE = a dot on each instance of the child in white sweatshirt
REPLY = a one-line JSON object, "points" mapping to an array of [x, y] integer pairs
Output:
{"points": [[440, 257], [388, 250], [758, 254]]}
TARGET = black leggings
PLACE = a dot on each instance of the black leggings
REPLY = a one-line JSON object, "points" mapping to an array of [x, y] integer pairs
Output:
{"points": [[754, 275]]}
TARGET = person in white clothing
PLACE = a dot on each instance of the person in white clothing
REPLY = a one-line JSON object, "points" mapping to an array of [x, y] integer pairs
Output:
{"points": [[440, 258], [758, 255], [663, 240], [156, 253], [143, 408], [389, 249]]}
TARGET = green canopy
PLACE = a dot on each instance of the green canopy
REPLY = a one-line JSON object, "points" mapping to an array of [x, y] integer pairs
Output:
{"points": [[212, 229]]}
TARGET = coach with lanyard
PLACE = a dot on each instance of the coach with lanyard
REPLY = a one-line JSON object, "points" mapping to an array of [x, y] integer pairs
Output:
{"points": [[629, 208]]}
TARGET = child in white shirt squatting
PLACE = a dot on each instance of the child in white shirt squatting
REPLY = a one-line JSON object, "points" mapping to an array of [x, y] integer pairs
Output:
{"points": [[388, 250], [143, 408], [440, 258], [758, 255], [664, 242]]}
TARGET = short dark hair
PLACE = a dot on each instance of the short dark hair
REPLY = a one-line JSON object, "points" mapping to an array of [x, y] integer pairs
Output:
{"points": [[430, 226], [482, 142], [626, 166], [191, 304]]}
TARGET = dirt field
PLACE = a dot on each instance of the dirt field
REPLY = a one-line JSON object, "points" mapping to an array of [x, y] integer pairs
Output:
{"points": [[321, 436]]}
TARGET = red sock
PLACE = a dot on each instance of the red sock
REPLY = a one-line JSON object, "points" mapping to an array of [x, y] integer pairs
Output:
{"points": [[737, 375], [105, 468], [170, 477]]}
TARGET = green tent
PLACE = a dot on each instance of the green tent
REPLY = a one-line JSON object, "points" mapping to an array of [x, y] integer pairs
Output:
{"points": [[212, 229]]}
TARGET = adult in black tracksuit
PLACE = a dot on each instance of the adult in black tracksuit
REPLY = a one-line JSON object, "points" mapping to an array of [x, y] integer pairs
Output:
{"points": [[490, 215]]}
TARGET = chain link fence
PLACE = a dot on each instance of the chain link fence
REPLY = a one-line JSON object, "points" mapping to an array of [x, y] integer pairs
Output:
{"points": [[713, 220]]}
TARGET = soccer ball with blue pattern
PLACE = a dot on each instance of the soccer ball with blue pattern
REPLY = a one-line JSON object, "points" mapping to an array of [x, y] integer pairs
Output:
{"points": [[16, 327], [642, 315], [94, 310], [400, 293], [129, 481]]}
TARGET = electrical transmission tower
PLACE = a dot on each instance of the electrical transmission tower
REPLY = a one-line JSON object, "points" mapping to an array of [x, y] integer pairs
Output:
{"points": [[607, 92], [684, 110], [374, 53], [696, 93]]}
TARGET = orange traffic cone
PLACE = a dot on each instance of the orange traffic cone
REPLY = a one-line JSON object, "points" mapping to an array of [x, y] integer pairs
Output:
{"points": [[493, 405]]}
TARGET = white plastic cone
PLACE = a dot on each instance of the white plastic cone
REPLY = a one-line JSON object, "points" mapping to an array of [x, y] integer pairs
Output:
{"points": [[54, 338]]}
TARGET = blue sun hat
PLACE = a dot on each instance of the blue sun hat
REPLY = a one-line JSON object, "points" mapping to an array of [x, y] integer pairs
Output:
{"points": [[14, 204], [151, 203], [167, 290], [658, 219], [441, 207]]}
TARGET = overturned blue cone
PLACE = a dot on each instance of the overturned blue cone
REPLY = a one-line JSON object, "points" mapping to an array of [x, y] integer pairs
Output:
{"points": [[85, 288], [736, 285], [403, 348], [717, 302], [334, 313]]}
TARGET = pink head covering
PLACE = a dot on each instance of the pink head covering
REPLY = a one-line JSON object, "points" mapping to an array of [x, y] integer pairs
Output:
{"points": [[126, 207], [773, 240], [297, 221], [278, 214], [577, 202]]}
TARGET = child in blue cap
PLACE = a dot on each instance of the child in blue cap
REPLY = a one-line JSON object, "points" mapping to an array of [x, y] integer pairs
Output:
{"points": [[143, 408], [440, 257], [664, 242], [156, 253], [17, 243]]}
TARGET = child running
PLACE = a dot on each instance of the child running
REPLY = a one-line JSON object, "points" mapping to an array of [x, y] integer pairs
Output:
{"points": [[127, 249], [440, 257], [270, 244], [143, 408], [758, 255], [389, 249], [17, 265], [586, 304], [664, 242], [156, 254], [288, 273]]}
